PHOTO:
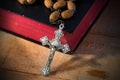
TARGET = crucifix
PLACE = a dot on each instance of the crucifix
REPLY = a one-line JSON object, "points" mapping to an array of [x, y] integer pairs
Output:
{"points": [[54, 44]]}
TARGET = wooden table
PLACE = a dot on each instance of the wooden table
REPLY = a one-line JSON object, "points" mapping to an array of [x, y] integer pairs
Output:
{"points": [[96, 58]]}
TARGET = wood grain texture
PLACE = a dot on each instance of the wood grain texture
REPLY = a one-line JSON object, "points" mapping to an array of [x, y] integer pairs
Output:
{"points": [[96, 58], [27, 56]]}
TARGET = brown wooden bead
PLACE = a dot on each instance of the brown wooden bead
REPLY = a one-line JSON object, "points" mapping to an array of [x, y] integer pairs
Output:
{"points": [[54, 16], [31, 1], [59, 4], [27, 1], [71, 5], [67, 14], [21, 1], [48, 3]]}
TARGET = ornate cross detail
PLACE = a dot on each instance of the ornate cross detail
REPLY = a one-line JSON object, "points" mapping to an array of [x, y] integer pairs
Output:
{"points": [[54, 44]]}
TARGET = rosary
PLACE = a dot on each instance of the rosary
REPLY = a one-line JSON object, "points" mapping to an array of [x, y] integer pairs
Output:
{"points": [[60, 9]]}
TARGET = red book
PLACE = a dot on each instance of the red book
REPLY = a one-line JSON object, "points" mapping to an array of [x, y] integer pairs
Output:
{"points": [[32, 22]]}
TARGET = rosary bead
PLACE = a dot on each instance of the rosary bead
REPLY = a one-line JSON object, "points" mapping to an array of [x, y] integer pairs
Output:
{"points": [[54, 16], [27, 1], [59, 4], [71, 5], [48, 3], [67, 14]]}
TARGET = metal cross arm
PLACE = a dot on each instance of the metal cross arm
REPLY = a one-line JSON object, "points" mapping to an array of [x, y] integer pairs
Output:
{"points": [[54, 44]]}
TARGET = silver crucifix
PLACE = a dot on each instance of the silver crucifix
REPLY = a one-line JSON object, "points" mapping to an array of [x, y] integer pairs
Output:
{"points": [[54, 44]]}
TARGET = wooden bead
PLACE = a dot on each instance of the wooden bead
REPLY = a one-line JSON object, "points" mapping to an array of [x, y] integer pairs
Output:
{"points": [[59, 4], [27, 1], [67, 14], [31, 1], [48, 3], [71, 5], [21, 1], [54, 16]]}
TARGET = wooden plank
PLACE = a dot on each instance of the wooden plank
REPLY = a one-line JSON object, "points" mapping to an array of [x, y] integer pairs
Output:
{"points": [[94, 54], [28, 57], [14, 75]]}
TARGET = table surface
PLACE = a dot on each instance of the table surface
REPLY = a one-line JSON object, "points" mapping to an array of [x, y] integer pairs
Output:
{"points": [[96, 58]]}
